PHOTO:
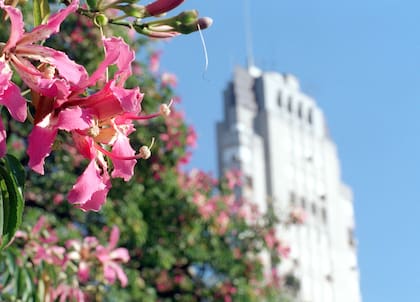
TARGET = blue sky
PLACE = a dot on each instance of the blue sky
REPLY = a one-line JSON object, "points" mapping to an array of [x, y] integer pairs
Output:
{"points": [[361, 61]]}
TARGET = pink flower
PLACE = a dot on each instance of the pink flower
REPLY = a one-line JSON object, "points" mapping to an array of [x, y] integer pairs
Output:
{"points": [[65, 292], [191, 140], [11, 98], [22, 47], [97, 122], [50, 254], [270, 239], [82, 254], [283, 250], [169, 79], [111, 258], [154, 62], [222, 222], [298, 216]]}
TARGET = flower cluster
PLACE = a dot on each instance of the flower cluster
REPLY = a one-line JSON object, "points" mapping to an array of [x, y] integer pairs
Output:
{"points": [[96, 110], [77, 263]]}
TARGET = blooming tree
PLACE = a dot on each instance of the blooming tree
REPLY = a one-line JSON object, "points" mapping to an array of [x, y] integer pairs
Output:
{"points": [[95, 109], [79, 106]]}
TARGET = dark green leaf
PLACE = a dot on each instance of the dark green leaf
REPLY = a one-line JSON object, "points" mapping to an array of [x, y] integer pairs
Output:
{"points": [[12, 203]]}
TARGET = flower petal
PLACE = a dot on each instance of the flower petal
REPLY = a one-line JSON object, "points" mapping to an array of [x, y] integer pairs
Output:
{"points": [[68, 69], [17, 25], [40, 142], [123, 168], [85, 145], [73, 119], [113, 238], [98, 199], [3, 135], [15, 103], [44, 31], [119, 53], [90, 182], [32, 77]]}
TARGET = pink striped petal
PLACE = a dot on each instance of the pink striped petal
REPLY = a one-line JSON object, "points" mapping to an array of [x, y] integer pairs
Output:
{"points": [[36, 80], [68, 69], [17, 25], [44, 31], [119, 53]]}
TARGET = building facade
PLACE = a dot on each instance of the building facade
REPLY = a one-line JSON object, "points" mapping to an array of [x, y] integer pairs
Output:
{"points": [[277, 136]]}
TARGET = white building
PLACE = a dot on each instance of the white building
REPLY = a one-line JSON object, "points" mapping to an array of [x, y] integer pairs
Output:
{"points": [[278, 137]]}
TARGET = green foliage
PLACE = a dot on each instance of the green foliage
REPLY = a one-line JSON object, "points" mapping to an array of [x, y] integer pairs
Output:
{"points": [[41, 11], [12, 179]]}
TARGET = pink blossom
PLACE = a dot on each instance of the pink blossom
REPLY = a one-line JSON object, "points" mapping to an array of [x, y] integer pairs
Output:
{"points": [[169, 79], [22, 47], [233, 178], [191, 140], [82, 253], [58, 198], [283, 250], [101, 120], [298, 216], [50, 254], [65, 292], [222, 221], [270, 238], [154, 62], [111, 257]]}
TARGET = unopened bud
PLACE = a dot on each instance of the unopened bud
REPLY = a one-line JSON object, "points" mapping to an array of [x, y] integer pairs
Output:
{"points": [[187, 17], [145, 152], [162, 6], [164, 110], [195, 25], [133, 10], [205, 22], [101, 20]]}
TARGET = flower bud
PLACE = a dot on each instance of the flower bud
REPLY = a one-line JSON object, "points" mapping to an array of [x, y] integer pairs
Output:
{"points": [[145, 152], [187, 17], [164, 110], [162, 6], [101, 20]]}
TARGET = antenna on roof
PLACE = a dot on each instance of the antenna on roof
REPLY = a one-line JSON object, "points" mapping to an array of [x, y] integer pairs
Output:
{"points": [[248, 34]]}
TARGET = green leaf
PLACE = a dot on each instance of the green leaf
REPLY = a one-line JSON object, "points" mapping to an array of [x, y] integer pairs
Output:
{"points": [[11, 200], [17, 169], [92, 4], [41, 11]]}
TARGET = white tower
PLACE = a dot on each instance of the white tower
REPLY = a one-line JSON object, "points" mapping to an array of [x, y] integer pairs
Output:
{"points": [[278, 137]]}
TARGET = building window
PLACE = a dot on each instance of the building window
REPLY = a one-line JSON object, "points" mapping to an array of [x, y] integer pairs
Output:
{"points": [[303, 203], [300, 110], [314, 209], [248, 182], [292, 198], [324, 216], [350, 232], [310, 118], [279, 99], [289, 104]]}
